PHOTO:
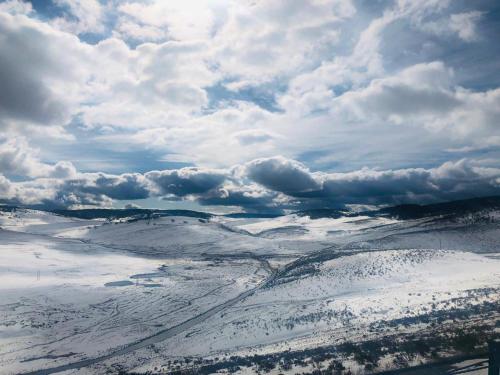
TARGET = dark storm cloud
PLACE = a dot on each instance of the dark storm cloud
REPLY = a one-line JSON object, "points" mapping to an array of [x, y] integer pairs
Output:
{"points": [[280, 174], [31, 60], [452, 180], [186, 181], [95, 189], [252, 199], [263, 185], [125, 186]]}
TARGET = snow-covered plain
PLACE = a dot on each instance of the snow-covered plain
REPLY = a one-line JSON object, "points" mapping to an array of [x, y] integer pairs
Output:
{"points": [[89, 296]]}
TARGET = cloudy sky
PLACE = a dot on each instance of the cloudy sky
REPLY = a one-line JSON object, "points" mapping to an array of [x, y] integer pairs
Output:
{"points": [[254, 105]]}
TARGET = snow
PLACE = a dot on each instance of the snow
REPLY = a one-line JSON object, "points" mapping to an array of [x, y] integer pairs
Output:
{"points": [[76, 289], [40, 222], [309, 229], [173, 236], [351, 291], [56, 297]]}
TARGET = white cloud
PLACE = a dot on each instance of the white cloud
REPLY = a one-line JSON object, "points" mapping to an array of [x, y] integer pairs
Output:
{"points": [[50, 76], [423, 95], [5, 188], [464, 24], [154, 84], [218, 83], [16, 7], [299, 33], [420, 89], [86, 16], [253, 136], [163, 20], [18, 158]]}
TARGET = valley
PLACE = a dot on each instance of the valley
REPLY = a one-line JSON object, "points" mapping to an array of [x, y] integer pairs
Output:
{"points": [[154, 294]]}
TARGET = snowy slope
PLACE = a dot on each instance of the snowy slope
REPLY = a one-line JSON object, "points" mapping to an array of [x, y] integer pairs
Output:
{"points": [[178, 236], [305, 228], [344, 295], [39, 222], [63, 300], [92, 289]]}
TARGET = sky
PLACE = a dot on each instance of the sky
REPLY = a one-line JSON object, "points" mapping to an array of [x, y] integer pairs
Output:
{"points": [[256, 106]]}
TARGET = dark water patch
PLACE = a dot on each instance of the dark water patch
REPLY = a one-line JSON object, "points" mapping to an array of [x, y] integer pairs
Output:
{"points": [[149, 275], [331, 232], [119, 283]]}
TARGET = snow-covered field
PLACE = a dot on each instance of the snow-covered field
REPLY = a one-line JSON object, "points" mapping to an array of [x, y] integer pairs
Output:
{"points": [[351, 291], [94, 296]]}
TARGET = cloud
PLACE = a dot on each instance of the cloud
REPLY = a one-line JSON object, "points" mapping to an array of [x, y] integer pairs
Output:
{"points": [[186, 181], [18, 158], [422, 95], [252, 136], [228, 85], [250, 197], [239, 128], [129, 206], [420, 89], [263, 184], [181, 94], [86, 189], [122, 187], [16, 7], [299, 33], [281, 174], [151, 85], [34, 192], [464, 24], [82, 16], [39, 71], [5, 188], [425, 87], [161, 20], [314, 89], [240, 33], [451, 180], [50, 78]]}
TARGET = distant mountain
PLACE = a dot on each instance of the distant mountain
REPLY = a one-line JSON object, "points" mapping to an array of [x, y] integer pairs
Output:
{"points": [[6, 208], [453, 208], [401, 212], [413, 211], [247, 215], [118, 213], [320, 213]]}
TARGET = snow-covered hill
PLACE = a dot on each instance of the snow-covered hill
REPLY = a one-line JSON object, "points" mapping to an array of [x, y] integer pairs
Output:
{"points": [[39, 222], [342, 296], [145, 293]]}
